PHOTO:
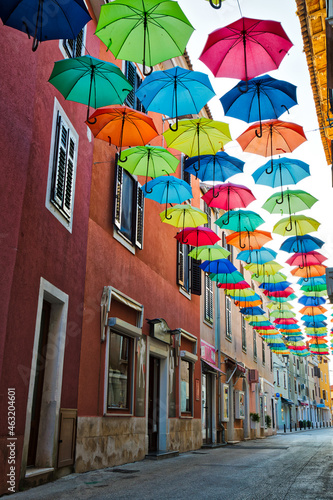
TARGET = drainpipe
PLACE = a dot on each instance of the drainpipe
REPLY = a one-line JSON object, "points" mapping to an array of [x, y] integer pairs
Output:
{"points": [[218, 347]]}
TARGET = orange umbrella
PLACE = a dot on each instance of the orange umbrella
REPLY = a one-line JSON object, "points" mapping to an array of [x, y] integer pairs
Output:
{"points": [[313, 310], [122, 126], [249, 240], [277, 137], [309, 271]]}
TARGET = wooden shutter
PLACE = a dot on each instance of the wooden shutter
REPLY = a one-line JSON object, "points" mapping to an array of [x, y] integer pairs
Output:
{"points": [[195, 277], [139, 216], [208, 298], [117, 195], [180, 264], [130, 73]]}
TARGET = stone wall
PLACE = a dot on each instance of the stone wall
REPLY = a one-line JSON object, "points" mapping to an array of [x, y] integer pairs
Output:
{"points": [[184, 434]]}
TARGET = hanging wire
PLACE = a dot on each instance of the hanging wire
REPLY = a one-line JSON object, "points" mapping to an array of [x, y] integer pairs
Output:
{"points": [[240, 10]]}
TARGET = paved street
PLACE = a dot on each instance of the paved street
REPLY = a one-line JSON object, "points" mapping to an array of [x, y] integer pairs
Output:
{"points": [[283, 467]]}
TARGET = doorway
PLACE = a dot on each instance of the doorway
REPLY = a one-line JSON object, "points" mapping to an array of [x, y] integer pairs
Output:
{"points": [[153, 404], [206, 398]]}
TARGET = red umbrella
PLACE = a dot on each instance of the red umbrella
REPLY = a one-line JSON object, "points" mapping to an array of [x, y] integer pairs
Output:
{"points": [[197, 236], [234, 286], [283, 293], [301, 259], [245, 48], [285, 321], [277, 136], [228, 196]]}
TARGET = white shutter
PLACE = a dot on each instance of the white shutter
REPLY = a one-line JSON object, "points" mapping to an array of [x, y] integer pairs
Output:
{"points": [[118, 195], [139, 216]]}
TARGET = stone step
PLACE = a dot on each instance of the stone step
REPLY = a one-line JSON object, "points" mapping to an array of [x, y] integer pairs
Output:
{"points": [[161, 455]]}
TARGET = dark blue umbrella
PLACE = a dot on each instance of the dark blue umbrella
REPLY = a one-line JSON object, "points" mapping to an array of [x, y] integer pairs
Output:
{"points": [[218, 167], [219, 266], [261, 98], [315, 324], [311, 301], [175, 92], [252, 311], [45, 19], [304, 244]]}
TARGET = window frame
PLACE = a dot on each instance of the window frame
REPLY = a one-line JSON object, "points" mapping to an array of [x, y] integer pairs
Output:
{"points": [[208, 300], [255, 350], [243, 328], [187, 413], [228, 318], [59, 120], [135, 80]]}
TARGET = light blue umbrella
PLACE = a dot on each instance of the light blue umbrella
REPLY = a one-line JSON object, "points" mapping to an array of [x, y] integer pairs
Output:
{"points": [[317, 317], [218, 167], [285, 171], [175, 92], [259, 256], [313, 281], [167, 189]]}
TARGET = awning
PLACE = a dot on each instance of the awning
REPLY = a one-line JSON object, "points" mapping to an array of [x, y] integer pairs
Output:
{"points": [[209, 367], [319, 405], [287, 401], [303, 403]]}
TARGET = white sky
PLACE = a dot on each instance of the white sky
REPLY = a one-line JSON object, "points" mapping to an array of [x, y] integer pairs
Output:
{"points": [[294, 69]]}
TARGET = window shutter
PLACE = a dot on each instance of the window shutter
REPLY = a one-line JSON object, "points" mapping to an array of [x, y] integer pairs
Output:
{"points": [[117, 195], [130, 73], [180, 264], [139, 216], [74, 48], [208, 212], [68, 188], [196, 277], [208, 298]]}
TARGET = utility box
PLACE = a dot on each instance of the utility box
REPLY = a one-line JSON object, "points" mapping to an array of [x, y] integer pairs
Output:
{"points": [[329, 283]]}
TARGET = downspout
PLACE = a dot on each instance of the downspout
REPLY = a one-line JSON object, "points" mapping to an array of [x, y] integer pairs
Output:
{"points": [[218, 347]]}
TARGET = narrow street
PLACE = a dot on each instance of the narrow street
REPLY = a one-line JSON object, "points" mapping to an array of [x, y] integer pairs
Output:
{"points": [[287, 466]]}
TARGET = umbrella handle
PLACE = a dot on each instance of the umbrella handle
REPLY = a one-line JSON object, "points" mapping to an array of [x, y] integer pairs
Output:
{"points": [[240, 241], [290, 225], [124, 160], [227, 222], [279, 202], [145, 72], [35, 44], [270, 170], [259, 135], [91, 122], [176, 126], [147, 191], [218, 6], [246, 87], [285, 107], [166, 214]]}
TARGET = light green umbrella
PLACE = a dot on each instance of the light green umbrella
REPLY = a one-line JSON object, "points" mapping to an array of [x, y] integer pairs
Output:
{"points": [[282, 314], [297, 225], [209, 252], [271, 267], [184, 216], [145, 31], [271, 278], [289, 202], [275, 306], [216, 4]]}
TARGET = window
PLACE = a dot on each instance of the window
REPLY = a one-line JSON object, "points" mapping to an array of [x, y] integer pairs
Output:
{"points": [[135, 80], [119, 372], [295, 385], [208, 212], [208, 299], [313, 394], [74, 48], [263, 353], [188, 271], [254, 345], [271, 359], [227, 247], [243, 333], [284, 381], [186, 382], [297, 364], [325, 379], [324, 394], [315, 390], [62, 168], [277, 378], [128, 208], [312, 372], [228, 332], [185, 176], [299, 389]]}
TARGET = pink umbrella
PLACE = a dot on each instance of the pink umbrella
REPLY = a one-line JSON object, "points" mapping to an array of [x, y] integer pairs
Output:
{"points": [[197, 236], [306, 259], [285, 321], [228, 196], [246, 48], [241, 285]]}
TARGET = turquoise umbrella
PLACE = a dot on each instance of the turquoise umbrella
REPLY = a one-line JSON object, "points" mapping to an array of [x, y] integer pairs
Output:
{"points": [[240, 220]]}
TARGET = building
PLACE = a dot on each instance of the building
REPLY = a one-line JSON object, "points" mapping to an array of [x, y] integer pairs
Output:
{"points": [[324, 407]]}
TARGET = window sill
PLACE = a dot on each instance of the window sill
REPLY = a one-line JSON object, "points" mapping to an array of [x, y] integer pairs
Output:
{"points": [[185, 293], [208, 323], [186, 416], [229, 339], [123, 241], [115, 414], [244, 350]]}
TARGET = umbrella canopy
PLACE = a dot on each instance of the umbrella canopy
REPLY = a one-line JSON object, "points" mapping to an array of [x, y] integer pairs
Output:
{"points": [[317, 280], [232, 278], [90, 81], [214, 167], [147, 32], [311, 301], [197, 236], [122, 126], [313, 294], [240, 220], [260, 256], [166, 189], [285, 321], [249, 240], [275, 287], [279, 307], [228, 196], [175, 92], [45, 19], [252, 311], [289, 202], [306, 259], [245, 48], [316, 318], [309, 271], [241, 285], [220, 266], [297, 225], [261, 98], [271, 278], [268, 268], [184, 216], [285, 171], [282, 314], [209, 252], [283, 299], [303, 244], [280, 293]]}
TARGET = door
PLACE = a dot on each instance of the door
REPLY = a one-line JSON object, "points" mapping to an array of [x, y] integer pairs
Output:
{"points": [[39, 381], [206, 408], [153, 404]]}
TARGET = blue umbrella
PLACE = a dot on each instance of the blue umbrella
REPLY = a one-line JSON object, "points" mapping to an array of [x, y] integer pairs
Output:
{"points": [[175, 92], [259, 256], [231, 278], [281, 172], [218, 167], [260, 98], [294, 326], [315, 324], [252, 311], [311, 301], [313, 281], [304, 244], [275, 287], [219, 266], [317, 317], [45, 19], [167, 189]]}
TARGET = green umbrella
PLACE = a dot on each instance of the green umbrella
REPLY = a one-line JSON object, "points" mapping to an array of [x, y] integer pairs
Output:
{"points": [[240, 220], [315, 294], [297, 225], [275, 306], [269, 268], [282, 314], [289, 202], [145, 31], [90, 81], [271, 278], [209, 252]]}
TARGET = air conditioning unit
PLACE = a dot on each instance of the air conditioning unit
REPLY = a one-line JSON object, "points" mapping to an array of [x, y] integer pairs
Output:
{"points": [[253, 376], [302, 386]]}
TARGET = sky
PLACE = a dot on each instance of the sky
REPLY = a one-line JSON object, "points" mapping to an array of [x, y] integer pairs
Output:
{"points": [[293, 69]]}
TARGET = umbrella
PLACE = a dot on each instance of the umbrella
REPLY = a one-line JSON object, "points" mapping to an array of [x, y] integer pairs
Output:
{"points": [[280, 307], [260, 256], [147, 32], [275, 287], [229, 280], [279, 293], [316, 317], [166, 189], [122, 126], [302, 244], [306, 259], [296, 225], [314, 288], [311, 301], [45, 19], [285, 321], [251, 311], [282, 314], [197, 236], [245, 48], [175, 92], [283, 299], [309, 271], [184, 216], [276, 136], [220, 266], [241, 285], [290, 201], [240, 220], [198, 136], [260, 98], [271, 278], [268, 268], [90, 81], [228, 196], [245, 292], [216, 4], [209, 252], [314, 294], [214, 167], [317, 280], [250, 240]]}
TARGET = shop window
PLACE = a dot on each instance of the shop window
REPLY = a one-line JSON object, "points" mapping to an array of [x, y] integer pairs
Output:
{"points": [[119, 372], [128, 208], [135, 80], [208, 299], [243, 333], [188, 271], [228, 329], [186, 386]]}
